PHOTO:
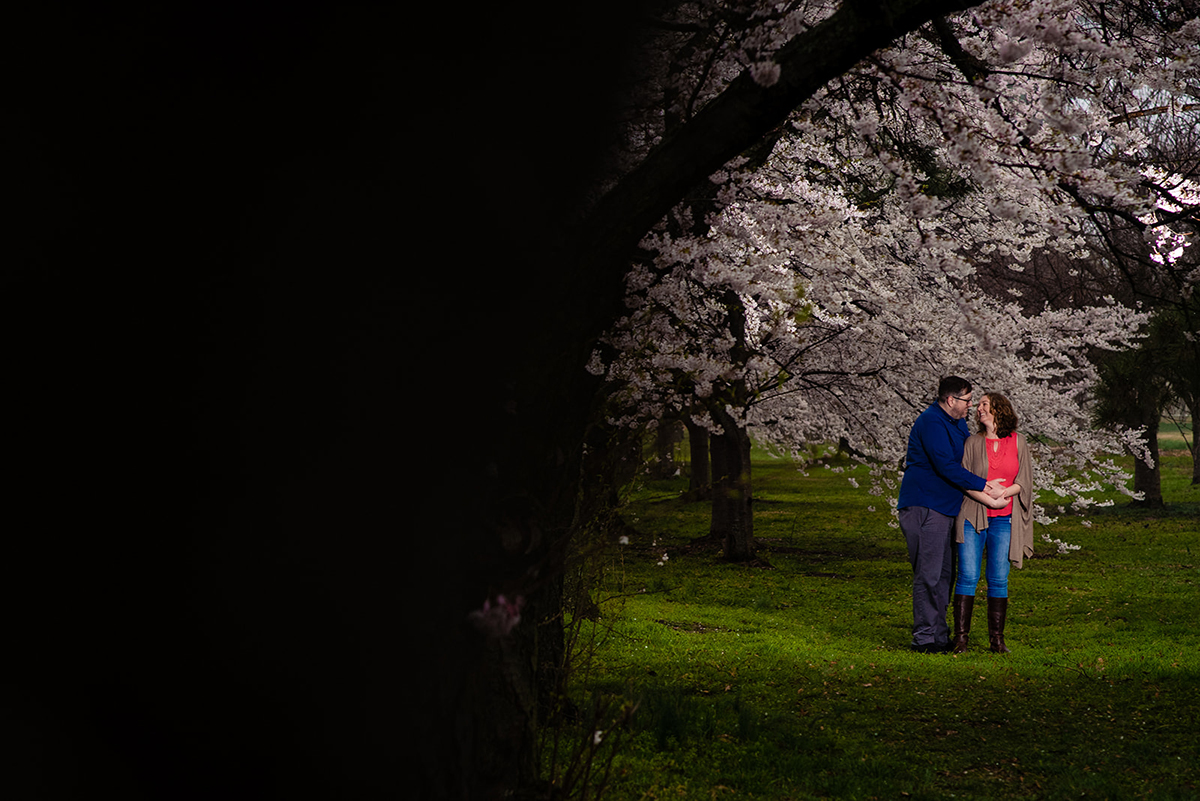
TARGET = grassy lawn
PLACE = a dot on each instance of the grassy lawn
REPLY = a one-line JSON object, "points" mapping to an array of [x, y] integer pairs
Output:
{"points": [[791, 678], [1171, 434]]}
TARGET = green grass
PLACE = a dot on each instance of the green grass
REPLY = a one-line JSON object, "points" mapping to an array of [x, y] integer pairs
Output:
{"points": [[1171, 434], [791, 678]]}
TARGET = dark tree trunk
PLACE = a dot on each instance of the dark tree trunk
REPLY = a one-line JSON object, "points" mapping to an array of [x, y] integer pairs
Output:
{"points": [[719, 525], [699, 477], [1195, 456], [1133, 394], [732, 515], [1148, 479], [611, 460], [1193, 446], [666, 436], [1192, 401]]}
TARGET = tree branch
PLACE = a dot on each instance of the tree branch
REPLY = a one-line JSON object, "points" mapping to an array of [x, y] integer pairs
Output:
{"points": [[737, 118], [971, 68], [1151, 112]]}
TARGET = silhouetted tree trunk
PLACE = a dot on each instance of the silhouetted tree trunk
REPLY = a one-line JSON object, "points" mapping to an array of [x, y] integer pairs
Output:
{"points": [[719, 524], [732, 514], [1132, 393], [1148, 479], [666, 435], [1195, 455], [699, 477], [1194, 447]]}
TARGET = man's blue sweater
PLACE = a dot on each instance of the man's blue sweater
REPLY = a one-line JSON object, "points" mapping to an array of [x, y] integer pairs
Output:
{"points": [[933, 473]]}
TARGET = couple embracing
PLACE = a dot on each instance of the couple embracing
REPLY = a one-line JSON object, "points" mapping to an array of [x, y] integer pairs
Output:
{"points": [[962, 495]]}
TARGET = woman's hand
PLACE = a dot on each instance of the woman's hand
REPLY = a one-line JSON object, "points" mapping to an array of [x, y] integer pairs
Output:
{"points": [[994, 503], [987, 500]]}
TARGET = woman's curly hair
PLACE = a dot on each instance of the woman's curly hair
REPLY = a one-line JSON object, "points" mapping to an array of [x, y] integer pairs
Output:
{"points": [[1003, 412]]}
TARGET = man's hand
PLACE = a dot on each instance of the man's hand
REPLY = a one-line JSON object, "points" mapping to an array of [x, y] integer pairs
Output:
{"points": [[995, 488]]}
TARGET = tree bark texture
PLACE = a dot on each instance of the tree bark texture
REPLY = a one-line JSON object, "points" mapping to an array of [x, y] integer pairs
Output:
{"points": [[666, 435], [720, 520], [1195, 459], [699, 476], [1194, 447], [732, 509], [1147, 479]]}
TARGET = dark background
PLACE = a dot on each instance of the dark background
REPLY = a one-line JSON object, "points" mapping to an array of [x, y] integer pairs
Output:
{"points": [[270, 266]]}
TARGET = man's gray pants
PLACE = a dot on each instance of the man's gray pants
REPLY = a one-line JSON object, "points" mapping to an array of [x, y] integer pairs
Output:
{"points": [[930, 538]]}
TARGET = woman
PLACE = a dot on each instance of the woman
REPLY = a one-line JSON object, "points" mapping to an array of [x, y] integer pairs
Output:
{"points": [[1001, 526]]}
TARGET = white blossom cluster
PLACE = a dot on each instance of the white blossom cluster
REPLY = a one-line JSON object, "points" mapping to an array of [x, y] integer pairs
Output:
{"points": [[834, 284]]}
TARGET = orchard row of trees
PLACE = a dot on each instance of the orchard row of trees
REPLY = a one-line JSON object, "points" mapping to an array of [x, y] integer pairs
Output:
{"points": [[804, 213]]}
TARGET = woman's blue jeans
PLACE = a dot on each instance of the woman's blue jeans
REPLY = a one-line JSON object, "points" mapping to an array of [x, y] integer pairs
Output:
{"points": [[995, 539]]}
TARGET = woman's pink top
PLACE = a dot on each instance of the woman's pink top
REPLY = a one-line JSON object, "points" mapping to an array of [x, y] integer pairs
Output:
{"points": [[1003, 463]]}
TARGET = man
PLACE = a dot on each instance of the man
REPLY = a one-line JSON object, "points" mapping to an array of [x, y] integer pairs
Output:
{"points": [[931, 494]]}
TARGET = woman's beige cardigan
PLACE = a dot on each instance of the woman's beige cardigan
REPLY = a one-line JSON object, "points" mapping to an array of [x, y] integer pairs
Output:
{"points": [[975, 460]]}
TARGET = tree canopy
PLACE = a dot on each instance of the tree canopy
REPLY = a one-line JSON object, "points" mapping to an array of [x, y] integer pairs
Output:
{"points": [[818, 291]]}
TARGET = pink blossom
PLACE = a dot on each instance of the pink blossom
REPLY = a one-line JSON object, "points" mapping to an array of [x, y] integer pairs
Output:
{"points": [[498, 619]]}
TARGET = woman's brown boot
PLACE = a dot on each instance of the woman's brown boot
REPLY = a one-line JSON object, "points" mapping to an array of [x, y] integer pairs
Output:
{"points": [[997, 613], [964, 605]]}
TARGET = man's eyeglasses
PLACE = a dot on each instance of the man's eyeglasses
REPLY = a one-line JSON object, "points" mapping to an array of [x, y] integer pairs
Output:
{"points": [[966, 400]]}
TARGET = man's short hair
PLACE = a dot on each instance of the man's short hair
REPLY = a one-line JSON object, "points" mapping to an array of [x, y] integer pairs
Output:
{"points": [[952, 385]]}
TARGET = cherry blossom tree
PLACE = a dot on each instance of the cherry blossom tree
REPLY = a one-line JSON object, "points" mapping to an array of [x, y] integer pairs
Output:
{"points": [[1147, 262], [1158, 270], [846, 265], [834, 339]]}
